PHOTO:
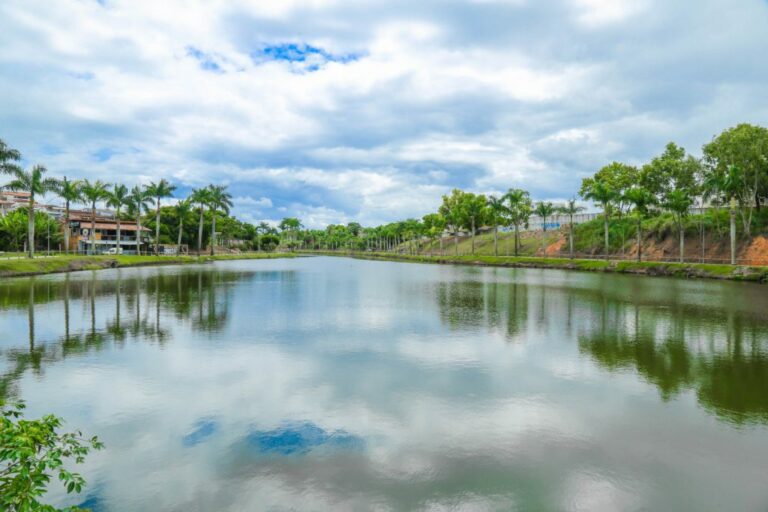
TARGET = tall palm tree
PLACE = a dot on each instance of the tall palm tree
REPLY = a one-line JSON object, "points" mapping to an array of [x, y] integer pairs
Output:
{"points": [[93, 193], [200, 196], [34, 182], [137, 205], [544, 210], [641, 199], [731, 185], [496, 210], [158, 191], [219, 200], [182, 209], [519, 209], [570, 209], [679, 202], [117, 198], [604, 195], [70, 192]]}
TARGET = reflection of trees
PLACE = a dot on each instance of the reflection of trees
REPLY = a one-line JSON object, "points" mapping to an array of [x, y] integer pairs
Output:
{"points": [[138, 303], [475, 303], [674, 352]]}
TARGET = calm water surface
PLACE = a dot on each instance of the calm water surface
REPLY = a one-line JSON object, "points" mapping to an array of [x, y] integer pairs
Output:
{"points": [[339, 384]]}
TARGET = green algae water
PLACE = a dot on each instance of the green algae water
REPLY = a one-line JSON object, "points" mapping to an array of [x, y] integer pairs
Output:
{"points": [[341, 384]]}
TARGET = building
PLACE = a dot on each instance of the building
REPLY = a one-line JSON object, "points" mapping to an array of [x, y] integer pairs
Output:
{"points": [[105, 233]]}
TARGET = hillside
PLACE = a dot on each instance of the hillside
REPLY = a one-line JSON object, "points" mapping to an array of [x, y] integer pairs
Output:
{"points": [[660, 242]]}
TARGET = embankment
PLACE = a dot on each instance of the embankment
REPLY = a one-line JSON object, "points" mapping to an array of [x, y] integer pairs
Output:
{"points": [[645, 268], [18, 267]]}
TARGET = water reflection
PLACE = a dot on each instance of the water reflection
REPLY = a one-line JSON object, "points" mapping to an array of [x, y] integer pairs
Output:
{"points": [[342, 384], [725, 363], [116, 309]]}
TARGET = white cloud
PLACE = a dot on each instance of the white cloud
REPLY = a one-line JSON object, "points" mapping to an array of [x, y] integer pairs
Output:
{"points": [[480, 94]]}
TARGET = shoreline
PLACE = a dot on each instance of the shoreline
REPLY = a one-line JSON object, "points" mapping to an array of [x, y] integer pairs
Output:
{"points": [[645, 268], [43, 265]]}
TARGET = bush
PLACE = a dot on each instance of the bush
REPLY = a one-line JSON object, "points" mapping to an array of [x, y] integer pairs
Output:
{"points": [[30, 452]]}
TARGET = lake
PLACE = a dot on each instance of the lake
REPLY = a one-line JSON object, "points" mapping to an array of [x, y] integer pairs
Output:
{"points": [[341, 384]]}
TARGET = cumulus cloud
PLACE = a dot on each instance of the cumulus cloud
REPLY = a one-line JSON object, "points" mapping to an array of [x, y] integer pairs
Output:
{"points": [[336, 111]]}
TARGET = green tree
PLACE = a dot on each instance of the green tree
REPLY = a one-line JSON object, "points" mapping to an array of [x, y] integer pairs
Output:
{"points": [[138, 204], [474, 209], [202, 197], [519, 209], [617, 176], [218, 200], [679, 202], [570, 209], [93, 193], [732, 185], [434, 224], [672, 170], [450, 210], [70, 192], [182, 209], [290, 227], [36, 184], [744, 147], [544, 210], [603, 194], [158, 191], [31, 452], [117, 198], [8, 156], [14, 225], [496, 215], [641, 200]]}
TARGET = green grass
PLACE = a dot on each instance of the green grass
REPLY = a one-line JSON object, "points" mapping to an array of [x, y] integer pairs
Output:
{"points": [[67, 263]]}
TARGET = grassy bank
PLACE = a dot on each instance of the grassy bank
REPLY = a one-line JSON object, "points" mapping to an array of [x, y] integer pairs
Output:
{"points": [[73, 263], [687, 270]]}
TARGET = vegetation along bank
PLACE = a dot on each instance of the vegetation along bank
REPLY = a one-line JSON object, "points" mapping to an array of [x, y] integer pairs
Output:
{"points": [[644, 268], [17, 267]]}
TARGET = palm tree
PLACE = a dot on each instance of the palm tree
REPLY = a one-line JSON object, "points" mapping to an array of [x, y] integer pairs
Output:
{"points": [[474, 210], [219, 199], [570, 209], [642, 200], [182, 209], [679, 202], [519, 211], [731, 184], [544, 210], [603, 194], [93, 193], [137, 204], [496, 210], [7, 156], [34, 182], [201, 196], [117, 198], [70, 192], [158, 191]]}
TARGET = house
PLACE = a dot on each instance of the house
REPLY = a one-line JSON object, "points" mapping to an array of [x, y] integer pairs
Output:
{"points": [[105, 233]]}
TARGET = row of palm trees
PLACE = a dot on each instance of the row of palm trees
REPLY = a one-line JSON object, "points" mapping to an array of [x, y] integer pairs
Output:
{"points": [[136, 201]]}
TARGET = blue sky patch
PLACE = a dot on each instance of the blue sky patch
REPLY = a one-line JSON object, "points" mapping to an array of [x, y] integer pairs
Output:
{"points": [[305, 56], [205, 60], [104, 154], [202, 431], [299, 438]]}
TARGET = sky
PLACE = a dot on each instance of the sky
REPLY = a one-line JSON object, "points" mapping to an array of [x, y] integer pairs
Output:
{"points": [[336, 111]]}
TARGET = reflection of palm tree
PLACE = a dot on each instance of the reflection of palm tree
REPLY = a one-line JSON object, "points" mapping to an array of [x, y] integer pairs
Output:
{"points": [[115, 328], [93, 337], [31, 315]]}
